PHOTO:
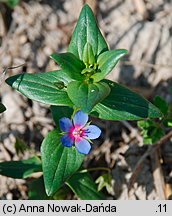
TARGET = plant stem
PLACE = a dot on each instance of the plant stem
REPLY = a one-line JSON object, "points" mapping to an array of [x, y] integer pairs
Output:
{"points": [[95, 169]]}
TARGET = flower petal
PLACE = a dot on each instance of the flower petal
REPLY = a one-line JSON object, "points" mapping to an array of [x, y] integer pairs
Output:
{"points": [[65, 124], [83, 146], [91, 132], [80, 119], [67, 140]]}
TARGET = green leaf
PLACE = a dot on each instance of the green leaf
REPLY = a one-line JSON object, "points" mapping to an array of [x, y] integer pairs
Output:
{"points": [[124, 104], [84, 187], [169, 122], [20, 146], [151, 131], [161, 104], [85, 31], [2, 108], [59, 162], [105, 181], [106, 62], [59, 112], [42, 87], [62, 193], [69, 64], [88, 55], [11, 3], [86, 96], [36, 190], [20, 169]]}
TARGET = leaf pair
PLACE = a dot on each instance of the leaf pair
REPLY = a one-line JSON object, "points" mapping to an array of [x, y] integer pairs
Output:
{"points": [[81, 93], [120, 104], [25, 168], [67, 87]]}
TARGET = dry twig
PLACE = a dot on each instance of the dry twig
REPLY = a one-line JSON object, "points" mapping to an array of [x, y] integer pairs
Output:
{"points": [[141, 8], [146, 64], [159, 183], [6, 69], [149, 151]]}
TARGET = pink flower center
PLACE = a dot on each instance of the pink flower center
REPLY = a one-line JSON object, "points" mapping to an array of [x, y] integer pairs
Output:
{"points": [[76, 132]]}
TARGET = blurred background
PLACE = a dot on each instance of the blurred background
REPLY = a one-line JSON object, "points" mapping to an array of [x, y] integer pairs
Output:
{"points": [[33, 30]]}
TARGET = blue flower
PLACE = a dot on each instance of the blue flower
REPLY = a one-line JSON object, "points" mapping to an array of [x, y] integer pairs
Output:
{"points": [[78, 132]]}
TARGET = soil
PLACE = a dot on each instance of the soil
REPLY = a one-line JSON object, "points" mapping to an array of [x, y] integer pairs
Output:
{"points": [[35, 29]]}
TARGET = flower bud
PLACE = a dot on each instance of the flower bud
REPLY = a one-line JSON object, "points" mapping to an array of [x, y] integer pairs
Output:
{"points": [[88, 55]]}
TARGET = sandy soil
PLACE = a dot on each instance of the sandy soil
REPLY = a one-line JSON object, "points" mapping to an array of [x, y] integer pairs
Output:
{"points": [[36, 29]]}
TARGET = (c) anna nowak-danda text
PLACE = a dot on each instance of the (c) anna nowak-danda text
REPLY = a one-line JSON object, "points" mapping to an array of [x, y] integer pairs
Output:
{"points": [[67, 208]]}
